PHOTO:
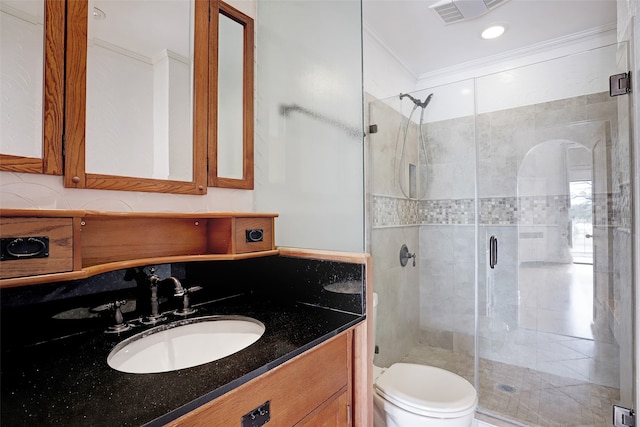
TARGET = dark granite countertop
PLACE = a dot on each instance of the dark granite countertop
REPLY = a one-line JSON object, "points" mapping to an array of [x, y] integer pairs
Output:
{"points": [[63, 378]]}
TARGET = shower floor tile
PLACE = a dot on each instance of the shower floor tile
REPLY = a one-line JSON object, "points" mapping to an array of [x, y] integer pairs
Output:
{"points": [[524, 395]]}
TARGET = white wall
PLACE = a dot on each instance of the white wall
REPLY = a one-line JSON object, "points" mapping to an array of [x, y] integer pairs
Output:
{"points": [[309, 146], [384, 75]]}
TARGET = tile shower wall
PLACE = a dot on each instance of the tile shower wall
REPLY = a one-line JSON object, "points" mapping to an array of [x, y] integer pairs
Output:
{"points": [[395, 221], [622, 265]]}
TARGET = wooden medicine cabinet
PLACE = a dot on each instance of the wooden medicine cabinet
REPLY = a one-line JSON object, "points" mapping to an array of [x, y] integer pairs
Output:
{"points": [[139, 103], [231, 89]]}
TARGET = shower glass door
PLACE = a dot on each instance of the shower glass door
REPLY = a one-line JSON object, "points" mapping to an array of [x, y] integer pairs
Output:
{"points": [[554, 314]]}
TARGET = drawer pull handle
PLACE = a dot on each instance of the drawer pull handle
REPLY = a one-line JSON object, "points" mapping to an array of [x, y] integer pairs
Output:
{"points": [[24, 247], [258, 417], [254, 235]]}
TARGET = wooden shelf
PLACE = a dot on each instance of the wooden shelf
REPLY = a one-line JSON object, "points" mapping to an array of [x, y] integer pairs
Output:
{"points": [[85, 243]]}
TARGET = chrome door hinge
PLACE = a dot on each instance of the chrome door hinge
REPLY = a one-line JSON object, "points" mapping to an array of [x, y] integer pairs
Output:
{"points": [[620, 84], [623, 417]]}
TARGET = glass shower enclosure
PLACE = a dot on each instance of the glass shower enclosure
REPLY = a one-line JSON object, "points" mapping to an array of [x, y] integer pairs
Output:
{"points": [[514, 192]]}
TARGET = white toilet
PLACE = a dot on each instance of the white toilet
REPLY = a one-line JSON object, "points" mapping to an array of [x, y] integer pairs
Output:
{"points": [[411, 395]]}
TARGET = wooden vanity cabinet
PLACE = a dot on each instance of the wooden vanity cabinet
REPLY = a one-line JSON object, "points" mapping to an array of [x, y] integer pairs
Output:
{"points": [[312, 389]]}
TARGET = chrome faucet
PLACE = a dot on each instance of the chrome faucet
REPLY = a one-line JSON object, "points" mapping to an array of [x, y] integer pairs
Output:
{"points": [[178, 291]]}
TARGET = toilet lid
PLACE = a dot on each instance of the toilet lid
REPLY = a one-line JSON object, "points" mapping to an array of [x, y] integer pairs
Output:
{"points": [[428, 388]]}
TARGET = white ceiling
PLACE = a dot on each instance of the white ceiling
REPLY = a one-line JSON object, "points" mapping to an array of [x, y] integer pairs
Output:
{"points": [[423, 43], [414, 33]]}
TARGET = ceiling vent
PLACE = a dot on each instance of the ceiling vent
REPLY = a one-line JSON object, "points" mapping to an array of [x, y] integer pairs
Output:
{"points": [[451, 11]]}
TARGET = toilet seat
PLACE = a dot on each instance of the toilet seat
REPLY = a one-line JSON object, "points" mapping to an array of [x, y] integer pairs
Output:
{"points": [[426, 390]]}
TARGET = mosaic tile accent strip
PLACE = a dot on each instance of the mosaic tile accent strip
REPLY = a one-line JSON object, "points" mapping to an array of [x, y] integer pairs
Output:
{"points": [[394, 211], [544, 210], [461, 211], [499, 210], [611, 209]]}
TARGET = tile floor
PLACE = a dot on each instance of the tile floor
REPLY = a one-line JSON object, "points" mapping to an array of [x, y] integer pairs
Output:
{"points": [[557, 331], [582, 359], [527, 396]]}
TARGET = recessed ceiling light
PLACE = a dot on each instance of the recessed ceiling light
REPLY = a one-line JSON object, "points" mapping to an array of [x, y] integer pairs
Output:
{"points": [[493, 31]]}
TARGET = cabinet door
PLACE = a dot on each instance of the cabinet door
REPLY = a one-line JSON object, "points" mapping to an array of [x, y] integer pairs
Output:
{"points": [[334, 413], [136, 95], [230, 135], [32, 75], [294, 390]]}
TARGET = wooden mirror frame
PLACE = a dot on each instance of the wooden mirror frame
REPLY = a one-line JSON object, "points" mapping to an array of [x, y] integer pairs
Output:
{"points": [[52, 101], [75, 114], [214, 180]]}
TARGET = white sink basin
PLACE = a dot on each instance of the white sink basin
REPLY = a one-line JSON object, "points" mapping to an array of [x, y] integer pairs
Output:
{"points": [[184, 344]]}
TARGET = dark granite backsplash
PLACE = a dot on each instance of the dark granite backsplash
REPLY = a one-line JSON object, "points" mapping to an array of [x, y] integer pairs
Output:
{"points": [[327, 284]]}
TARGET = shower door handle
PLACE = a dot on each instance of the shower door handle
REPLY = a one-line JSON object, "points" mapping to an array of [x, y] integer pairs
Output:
{"points": [[493, 251]]}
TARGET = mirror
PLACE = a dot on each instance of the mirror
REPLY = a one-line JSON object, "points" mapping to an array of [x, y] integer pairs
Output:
{"points": [[136, 95], [231, 126], [31, 58], [139, 89]]}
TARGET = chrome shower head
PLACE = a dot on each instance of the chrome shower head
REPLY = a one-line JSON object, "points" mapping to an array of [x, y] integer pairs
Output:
{"points": [[421, 104]]}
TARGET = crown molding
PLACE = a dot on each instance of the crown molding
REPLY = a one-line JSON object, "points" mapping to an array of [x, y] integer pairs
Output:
{"points": [[374, 34], [572, 43]]}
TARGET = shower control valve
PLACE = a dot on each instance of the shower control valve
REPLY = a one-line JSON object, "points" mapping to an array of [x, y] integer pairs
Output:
{"points": [[405, 256]]}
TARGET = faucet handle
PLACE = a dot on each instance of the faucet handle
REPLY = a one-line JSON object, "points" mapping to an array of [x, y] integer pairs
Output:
{"points": [[119, 324], [108, 306], [186, 303], [152, 277]]}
